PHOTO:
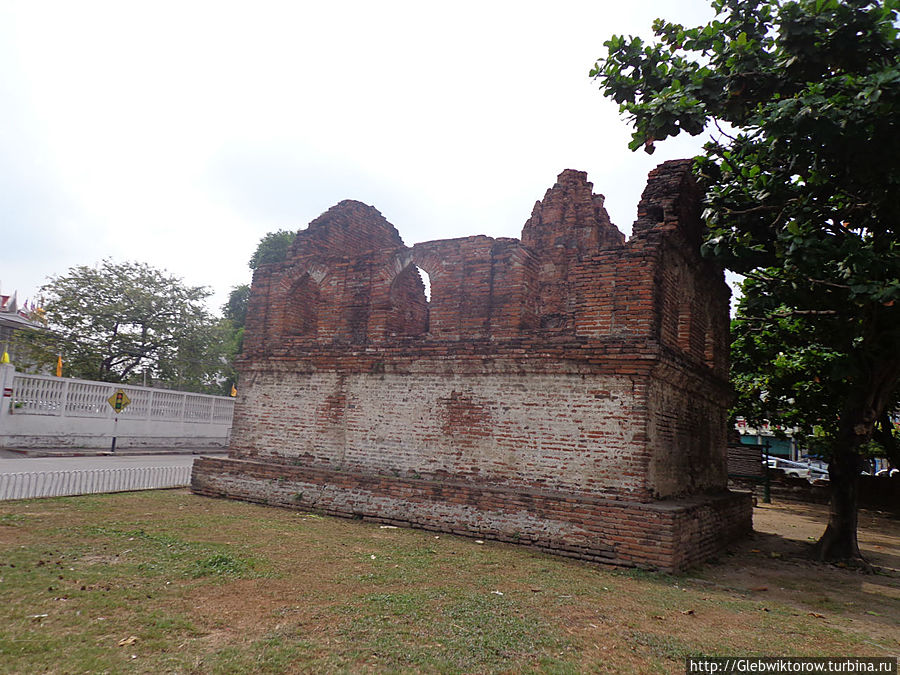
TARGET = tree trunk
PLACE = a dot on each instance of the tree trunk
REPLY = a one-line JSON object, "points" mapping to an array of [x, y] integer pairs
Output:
{"points": [[839, 540], [855, 429]]}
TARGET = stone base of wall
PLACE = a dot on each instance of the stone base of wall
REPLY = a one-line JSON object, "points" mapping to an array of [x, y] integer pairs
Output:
{"points": [[669, 535]]}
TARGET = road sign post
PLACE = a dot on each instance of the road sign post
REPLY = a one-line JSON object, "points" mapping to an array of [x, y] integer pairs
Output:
{"points": [[119, 401]]}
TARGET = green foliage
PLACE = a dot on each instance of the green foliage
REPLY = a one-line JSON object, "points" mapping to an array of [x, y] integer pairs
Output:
{"points": [[235, 315], [802, 197], [801, 180], [235, 310], [272, 248], [128, 322]]}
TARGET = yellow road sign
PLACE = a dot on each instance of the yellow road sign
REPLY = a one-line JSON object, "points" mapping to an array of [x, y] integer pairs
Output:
{"points": [[119, 401]]}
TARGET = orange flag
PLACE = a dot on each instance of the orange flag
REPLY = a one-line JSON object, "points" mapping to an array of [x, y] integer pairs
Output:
{"points": [[233, 390], [59, 366]]}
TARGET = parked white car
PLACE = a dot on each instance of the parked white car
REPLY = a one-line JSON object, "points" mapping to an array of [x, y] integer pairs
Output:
{"points": [[797, 469]]}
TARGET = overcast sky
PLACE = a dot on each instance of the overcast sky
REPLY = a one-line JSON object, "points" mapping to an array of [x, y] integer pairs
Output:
{"points": [[179, 133]]}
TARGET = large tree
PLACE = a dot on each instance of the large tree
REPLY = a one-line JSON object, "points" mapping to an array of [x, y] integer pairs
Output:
{"points": [[802, 180], [129, 322]]}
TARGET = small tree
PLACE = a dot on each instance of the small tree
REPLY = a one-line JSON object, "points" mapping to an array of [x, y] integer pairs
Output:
{"points": [[802, 182], [273, 247]]}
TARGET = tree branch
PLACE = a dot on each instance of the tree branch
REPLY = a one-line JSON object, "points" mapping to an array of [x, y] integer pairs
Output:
{"points": [[728, 136], [829, 283], [755, 209], [788, 314]]}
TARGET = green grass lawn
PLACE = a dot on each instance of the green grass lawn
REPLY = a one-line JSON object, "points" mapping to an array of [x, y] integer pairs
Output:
{"points": [[168, 582]]}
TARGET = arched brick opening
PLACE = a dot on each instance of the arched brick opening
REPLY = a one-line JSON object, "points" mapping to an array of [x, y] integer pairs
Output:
{"points": [[426, 282], [301, 309], [409, 307]]}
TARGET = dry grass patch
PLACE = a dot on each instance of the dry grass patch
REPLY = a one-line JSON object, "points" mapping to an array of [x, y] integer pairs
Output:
{"points": [[168, 582]]}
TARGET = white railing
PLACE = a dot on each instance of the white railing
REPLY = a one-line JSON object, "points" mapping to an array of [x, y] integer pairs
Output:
{"points": [[47, 395], [41, 411], [91, 481]]}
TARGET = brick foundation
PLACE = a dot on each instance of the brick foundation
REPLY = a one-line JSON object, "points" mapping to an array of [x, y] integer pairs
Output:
{"points": [[668, 535], [567, 390]]}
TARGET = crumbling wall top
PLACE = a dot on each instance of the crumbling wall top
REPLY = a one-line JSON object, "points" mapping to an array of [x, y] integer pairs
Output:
{"points": [[671, 201], [571, 216], [571, 279], [348, 229]]}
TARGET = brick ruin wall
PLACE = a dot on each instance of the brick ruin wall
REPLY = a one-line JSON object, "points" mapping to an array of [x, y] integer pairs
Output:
{"points": [[567, 390]]}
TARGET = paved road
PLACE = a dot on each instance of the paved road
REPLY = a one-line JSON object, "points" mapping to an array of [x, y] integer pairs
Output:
{"points": [[28, 464]]}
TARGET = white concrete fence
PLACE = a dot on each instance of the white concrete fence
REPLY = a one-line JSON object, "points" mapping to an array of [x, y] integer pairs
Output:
{"points": [[42, 411], [77, 482]]}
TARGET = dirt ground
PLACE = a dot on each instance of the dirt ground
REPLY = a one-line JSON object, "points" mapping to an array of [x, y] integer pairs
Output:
{"points": [[775, 563]]}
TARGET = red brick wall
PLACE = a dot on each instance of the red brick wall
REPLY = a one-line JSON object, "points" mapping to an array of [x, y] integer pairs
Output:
{"points": [[542, 430], [567, 226], [571, 362]]}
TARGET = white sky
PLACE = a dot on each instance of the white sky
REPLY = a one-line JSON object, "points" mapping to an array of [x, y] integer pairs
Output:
{"points": [[179, 133]]}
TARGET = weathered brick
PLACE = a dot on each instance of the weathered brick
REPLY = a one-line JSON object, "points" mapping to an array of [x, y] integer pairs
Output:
{"points": [[566, 390]]}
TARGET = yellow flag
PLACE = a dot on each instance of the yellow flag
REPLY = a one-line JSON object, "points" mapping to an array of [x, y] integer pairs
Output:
{"points": [[233, 390], [59, 366], [4, 358]]}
